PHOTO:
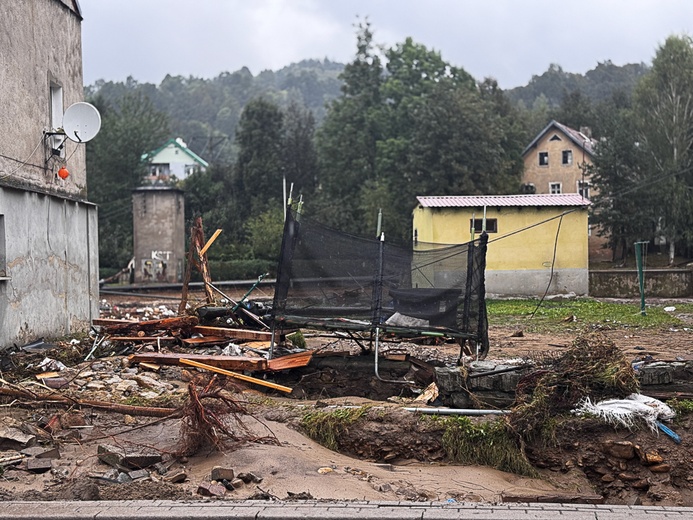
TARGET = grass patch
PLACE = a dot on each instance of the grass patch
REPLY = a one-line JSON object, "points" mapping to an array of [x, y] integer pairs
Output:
{"points": [[326, 428], [486, 444], [552, 315], [681, 406]]}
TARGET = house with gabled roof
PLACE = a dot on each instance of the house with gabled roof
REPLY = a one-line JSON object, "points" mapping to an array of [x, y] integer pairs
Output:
{"points": [[537, 243], [173, 159], [557, 161]]}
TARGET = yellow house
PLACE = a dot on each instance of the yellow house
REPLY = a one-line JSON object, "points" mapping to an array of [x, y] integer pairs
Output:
{"points": [[535, 241]]}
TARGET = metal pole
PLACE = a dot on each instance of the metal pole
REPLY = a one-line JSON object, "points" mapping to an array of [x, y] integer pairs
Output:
{"points": [[641, 275]]}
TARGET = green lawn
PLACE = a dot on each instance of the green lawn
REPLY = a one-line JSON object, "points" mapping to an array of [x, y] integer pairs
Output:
{"points": [[557, 315]]}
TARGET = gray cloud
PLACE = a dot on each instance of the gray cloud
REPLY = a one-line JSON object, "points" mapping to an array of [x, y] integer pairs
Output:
{"points": [[507, 39]]}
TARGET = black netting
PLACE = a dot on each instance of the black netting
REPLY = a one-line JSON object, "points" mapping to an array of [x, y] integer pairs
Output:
{"points": [[327, 278]]}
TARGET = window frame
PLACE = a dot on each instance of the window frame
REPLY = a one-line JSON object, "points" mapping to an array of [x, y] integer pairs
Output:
{"points": [[553, 185], [544, 155], [491, 225], [569, 155]]}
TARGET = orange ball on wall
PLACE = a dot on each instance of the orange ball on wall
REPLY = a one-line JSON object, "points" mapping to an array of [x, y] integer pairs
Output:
{"points": [[63, 173]]}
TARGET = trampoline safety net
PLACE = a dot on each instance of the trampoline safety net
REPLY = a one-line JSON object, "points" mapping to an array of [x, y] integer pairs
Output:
{"points": [[327, 279]]}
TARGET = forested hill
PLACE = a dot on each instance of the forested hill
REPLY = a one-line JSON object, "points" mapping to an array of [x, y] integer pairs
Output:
{"points": [[597, 84], [205, 112]]}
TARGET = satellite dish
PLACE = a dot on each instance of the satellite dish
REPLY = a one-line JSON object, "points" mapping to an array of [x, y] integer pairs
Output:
{"points": [[81, 122]]}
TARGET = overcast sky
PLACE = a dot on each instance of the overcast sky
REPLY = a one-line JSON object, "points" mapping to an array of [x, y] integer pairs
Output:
{"points": [[510, 40]]}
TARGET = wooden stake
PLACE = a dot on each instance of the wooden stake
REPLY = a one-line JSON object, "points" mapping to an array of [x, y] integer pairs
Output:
{"points": [[210, 242], [237, 376]]}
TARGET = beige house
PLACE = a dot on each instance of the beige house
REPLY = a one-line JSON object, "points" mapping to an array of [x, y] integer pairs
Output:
{"points": [[556, 162]]}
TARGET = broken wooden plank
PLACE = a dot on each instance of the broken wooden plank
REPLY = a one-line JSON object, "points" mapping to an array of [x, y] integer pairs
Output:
{"points": [[242, 377], [207, 340], [228, 362], [142, 338], [260, 335], [178, 322], [299, 359]]}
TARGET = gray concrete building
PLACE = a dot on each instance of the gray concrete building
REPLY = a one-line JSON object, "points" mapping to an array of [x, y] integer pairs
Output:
{"points": [[158, 213], [48, 229]]}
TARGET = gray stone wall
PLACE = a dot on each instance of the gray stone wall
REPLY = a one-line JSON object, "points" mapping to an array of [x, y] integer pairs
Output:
{"points": [[534, 282], [159, 234]]}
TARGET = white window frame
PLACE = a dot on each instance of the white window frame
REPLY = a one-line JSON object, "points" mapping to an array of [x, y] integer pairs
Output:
{"points": [[555, 188], [56, 115]]}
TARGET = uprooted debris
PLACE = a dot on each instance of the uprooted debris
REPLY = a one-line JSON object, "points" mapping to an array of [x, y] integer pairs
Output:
{"points": [[593, 367]]}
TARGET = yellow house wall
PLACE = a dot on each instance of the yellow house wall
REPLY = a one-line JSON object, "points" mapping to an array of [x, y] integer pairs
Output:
{"points": [[518, 263], [543, 176]]}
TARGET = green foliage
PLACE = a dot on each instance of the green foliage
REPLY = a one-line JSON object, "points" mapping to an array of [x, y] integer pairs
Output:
{"points": [[326, 428], [418, 126], [552, 315], [681, 406], [129, 129], [485, 444], [264, 234], [297, 339]]}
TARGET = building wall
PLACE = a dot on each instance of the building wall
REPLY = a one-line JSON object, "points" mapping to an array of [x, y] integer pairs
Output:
{"points": [[51, 287], [159, 234], [568, 175], [48, 230], [41, 45], [555, 171], [519, 263]]}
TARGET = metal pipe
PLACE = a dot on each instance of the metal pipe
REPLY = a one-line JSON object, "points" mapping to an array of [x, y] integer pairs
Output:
{"points": [[457, 411]]}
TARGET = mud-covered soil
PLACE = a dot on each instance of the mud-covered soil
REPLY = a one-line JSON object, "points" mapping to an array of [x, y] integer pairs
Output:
{"points": [[390, 455]]}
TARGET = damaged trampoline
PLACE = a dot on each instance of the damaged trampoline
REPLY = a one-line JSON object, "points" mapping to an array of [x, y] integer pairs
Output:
{"points": [[366, 287]]}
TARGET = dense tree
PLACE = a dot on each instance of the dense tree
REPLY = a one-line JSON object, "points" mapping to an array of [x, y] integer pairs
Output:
{"points": [[258, 177], [115, 168], [664, 107]]}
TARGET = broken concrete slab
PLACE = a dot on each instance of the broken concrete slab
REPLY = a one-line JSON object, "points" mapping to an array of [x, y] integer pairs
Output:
{"points": [[42, 452], [39, 465], [208, 489]]}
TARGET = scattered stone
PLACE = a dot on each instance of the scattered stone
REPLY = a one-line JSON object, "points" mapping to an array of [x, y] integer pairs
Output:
{"points": [[641, 484], [237, 483], [138, 474], [608, 478], [207, 489], [628, 476], [41, 452], [387, 467], [160, 468], [123, 478], [116, 457], [129, 420], [660, 468], [221, 473], [383, 488], [39, 465], [228, 485], [250, 478], [619, 449], [176, 477], [325, 470], [12, 437]]}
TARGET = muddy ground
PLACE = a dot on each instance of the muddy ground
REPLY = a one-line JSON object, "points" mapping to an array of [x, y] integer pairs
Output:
{"points": [[389, 455]]}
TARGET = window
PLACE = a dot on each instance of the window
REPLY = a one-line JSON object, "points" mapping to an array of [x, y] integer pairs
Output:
{"points": [[555, 138], [555, 188], [567, 158], [543, 158], [491, 225], [584, 189], [56, 93]]}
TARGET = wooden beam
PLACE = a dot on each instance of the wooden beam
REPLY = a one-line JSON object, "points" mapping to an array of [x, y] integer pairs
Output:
{"points": [[257, 335], [179, 322], [142, 338], [210, 242], [253, 364], [299, 359], [237, 376]]}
